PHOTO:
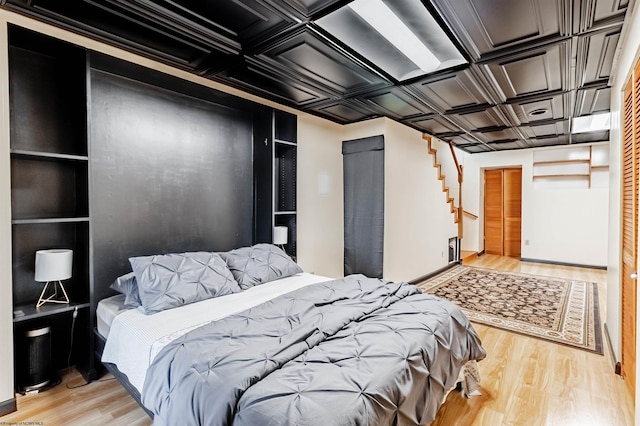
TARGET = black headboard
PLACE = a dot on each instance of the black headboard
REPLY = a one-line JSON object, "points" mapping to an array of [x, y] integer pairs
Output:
{"points": [[170, 168]]}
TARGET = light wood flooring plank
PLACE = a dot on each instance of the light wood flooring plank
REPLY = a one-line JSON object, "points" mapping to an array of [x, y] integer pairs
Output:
{"points": [[102, 402]]}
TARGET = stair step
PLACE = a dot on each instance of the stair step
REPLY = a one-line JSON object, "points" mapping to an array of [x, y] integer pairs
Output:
{"points": [[467, 255], [441, 177]]}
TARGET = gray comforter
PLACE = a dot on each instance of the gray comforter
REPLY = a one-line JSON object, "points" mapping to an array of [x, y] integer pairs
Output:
{"points": [[355, 351]]}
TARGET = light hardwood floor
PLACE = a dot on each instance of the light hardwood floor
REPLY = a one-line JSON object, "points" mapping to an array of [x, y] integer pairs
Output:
{"points": [[525, 381]]}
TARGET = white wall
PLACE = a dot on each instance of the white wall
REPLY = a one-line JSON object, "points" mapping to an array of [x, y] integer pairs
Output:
{"points": [[628, 52], [417, 219], [568, 226], [6, 299], [561, 225], [418, 222], [364, 129], [320, 218]]}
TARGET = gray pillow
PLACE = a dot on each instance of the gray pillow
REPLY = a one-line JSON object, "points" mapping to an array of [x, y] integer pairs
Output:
{"points": [[259, 264], [127, 285], [171, 280]]}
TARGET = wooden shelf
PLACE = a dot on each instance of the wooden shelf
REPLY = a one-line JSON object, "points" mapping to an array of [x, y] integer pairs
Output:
{"points": [[552, 162], [568, 175], [30, 312], [50, 220], [47, 155], [556, 165]]}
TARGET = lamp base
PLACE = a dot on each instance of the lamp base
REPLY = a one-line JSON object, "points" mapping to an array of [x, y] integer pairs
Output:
{"points": [[53, 298]]}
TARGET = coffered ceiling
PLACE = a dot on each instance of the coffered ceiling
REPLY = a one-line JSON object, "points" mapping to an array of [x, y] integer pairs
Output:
{"points": [[532, 65]]}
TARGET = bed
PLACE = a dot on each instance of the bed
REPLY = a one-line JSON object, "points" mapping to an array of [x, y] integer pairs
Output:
{"points": [[287, 348]]}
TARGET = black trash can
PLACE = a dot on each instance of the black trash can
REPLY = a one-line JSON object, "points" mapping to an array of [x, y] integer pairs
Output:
{"points": [[34, 364]]}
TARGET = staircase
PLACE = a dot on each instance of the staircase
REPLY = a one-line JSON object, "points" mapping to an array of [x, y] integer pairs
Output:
{"points": [[455, 210], [454, 200]]}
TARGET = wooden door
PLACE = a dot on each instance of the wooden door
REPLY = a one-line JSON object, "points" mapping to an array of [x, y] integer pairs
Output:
{"points": [[503, 212], [493, 212], [512, 218], [630, 153]]}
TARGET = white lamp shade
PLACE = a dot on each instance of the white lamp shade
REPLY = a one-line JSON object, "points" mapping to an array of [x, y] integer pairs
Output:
{"points": [[280, 235], [53, 265]]}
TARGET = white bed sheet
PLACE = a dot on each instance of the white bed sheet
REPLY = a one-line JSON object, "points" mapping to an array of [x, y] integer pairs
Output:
{"points": [[106, 312], [135, 338]]}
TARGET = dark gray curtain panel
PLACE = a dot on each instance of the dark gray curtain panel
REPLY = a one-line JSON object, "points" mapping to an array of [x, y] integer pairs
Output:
{"points": [[363, 163]]}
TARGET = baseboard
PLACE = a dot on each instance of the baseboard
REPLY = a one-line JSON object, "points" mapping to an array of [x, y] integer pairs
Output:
{"points": [[434, 273], [617, 365], [551, 262], [8, 406]]}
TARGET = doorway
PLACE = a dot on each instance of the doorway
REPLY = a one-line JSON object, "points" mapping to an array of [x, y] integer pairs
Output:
{"points": [[503, 212]]}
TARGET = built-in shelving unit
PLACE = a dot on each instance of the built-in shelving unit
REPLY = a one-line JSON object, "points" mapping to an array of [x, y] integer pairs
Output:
{"points": [[52, 198], [275, 169], [574, 166], [49, 188], [284, 171]]}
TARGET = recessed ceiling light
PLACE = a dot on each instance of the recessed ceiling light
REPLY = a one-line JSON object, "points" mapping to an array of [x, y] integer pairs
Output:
{"points": [[400, 37], [387, 23], [538, 111], [592, 123]]}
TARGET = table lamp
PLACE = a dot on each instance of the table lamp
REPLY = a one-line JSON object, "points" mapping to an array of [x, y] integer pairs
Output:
{"points": [[53, 266], [280, 236]]}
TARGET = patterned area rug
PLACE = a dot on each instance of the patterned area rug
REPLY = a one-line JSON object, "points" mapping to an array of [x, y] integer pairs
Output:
{"points": [[555, 309]]}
